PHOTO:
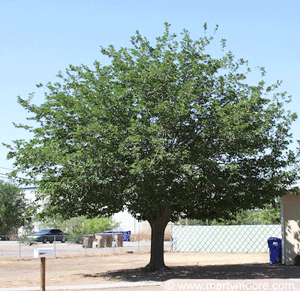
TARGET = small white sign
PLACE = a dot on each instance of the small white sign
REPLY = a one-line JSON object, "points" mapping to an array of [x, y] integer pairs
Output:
{"points": [[43, 253]]}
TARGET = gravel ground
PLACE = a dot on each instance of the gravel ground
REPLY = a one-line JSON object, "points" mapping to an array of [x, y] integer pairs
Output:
{"points": [[126, 267]]}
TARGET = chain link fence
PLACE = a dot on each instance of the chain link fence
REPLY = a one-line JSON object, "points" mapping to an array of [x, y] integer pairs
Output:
{"points": [[229, 239], [13, 246], [233, 238]]}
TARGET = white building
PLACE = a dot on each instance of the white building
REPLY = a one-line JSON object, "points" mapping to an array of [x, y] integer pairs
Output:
{"points": [[128, 222]]}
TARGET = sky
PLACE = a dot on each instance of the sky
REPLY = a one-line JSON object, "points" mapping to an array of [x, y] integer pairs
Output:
{"points": [[38, 39]]}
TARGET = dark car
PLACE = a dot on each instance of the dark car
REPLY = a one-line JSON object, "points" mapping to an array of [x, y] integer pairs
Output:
{"points": [[50, 235]]}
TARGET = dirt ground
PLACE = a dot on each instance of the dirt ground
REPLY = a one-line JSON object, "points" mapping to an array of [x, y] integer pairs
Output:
{"points": [[126, 267]]}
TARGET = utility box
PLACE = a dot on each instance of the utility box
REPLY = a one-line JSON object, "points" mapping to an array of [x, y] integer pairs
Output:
{"points": [[43, 253]]}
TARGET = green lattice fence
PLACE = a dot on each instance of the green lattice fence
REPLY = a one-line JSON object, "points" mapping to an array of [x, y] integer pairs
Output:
{"points": [[232, 238]]}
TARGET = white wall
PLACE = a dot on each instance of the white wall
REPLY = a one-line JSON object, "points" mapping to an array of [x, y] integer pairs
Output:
{"points": [[30, 195], [127, 222], [290, 217]]}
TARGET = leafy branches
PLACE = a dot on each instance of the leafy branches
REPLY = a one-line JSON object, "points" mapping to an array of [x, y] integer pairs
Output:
{"points": [[15, 210], [165, 128]]}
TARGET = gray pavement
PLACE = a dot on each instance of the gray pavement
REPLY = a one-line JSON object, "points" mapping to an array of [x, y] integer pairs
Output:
{"points": [[11, 249]]}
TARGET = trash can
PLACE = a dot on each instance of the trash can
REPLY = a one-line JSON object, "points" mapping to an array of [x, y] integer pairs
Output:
{"points": [[126, 234], [88, 241], [100, 240], [108, 240], [118, 238], [104, 240], [275, 250]]}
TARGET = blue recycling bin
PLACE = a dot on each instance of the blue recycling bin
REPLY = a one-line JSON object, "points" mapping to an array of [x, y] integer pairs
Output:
{"points": [[126, 234], [275, 250]]}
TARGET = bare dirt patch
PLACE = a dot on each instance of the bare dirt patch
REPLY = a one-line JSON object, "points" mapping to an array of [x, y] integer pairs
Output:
{"points": [[82, 270]]}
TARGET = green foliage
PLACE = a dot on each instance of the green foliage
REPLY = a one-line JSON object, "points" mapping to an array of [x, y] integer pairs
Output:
{"points": [[270, 214], [54, 221], [181, 221], [77, 227], [14, 209], [96, 225], [165, 128], [247, 217]]}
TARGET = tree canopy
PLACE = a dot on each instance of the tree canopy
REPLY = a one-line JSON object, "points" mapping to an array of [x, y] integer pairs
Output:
{"points": [[165, 130], [13, 208]]}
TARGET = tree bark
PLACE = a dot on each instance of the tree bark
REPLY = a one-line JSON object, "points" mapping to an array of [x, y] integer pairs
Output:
{"points": [[158, 226]]}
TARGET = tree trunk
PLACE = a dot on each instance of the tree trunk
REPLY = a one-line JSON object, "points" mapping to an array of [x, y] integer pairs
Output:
{"points": [[158, 226]]}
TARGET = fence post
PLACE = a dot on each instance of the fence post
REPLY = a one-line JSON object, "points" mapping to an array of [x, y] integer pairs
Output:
{"points": [[43, 254], [54, 253], [43, 274], [138, 240], [20, 254]]}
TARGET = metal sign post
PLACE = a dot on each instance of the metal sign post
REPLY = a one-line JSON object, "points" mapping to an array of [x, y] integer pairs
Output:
{"points": [[43, 254]]}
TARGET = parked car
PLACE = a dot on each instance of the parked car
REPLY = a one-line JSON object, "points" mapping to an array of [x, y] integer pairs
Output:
{"points": [[4, 237], [50, 235]]}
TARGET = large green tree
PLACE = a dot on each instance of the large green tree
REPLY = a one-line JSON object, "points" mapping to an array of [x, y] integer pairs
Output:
{"points": [[13, 208], [164, 130]]}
